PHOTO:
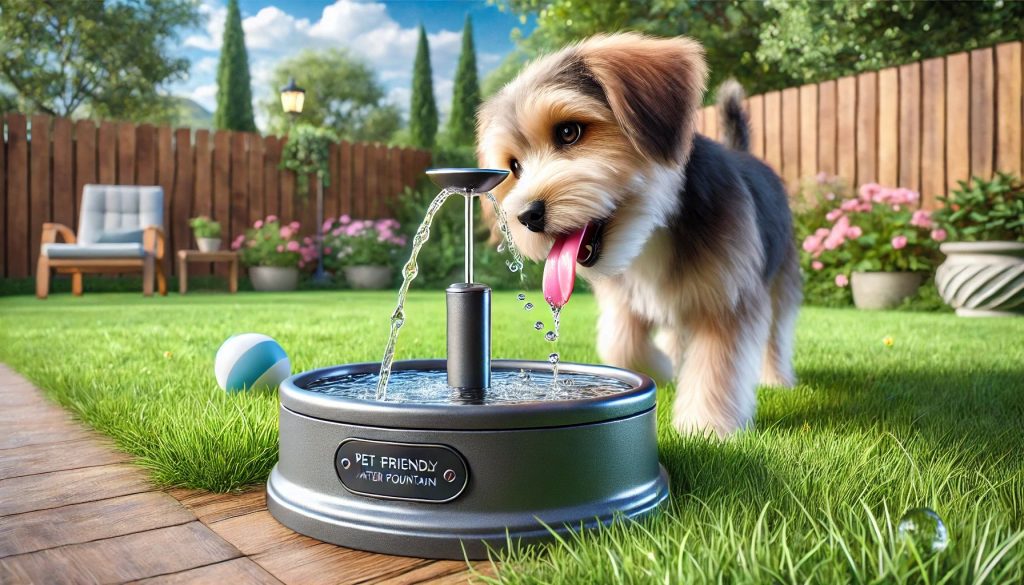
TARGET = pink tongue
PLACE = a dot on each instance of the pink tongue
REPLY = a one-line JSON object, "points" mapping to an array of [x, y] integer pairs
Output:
{"points": [[560, 268]]}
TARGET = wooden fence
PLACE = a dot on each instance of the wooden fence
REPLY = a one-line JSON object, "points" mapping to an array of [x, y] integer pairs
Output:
{"points": [[230, 176], [923, 126]]}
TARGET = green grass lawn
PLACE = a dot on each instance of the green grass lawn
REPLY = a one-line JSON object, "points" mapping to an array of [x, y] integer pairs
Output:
{"points": [[812, 495]]}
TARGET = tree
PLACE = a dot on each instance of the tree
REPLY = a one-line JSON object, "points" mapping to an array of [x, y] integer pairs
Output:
{"points": [[234, 93], [105, 59], [342, 94], [423, 109], [813, 41], [466, 96]]}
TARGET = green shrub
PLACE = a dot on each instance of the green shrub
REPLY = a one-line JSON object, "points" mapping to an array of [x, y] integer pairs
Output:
{"points": [[984, 210]]}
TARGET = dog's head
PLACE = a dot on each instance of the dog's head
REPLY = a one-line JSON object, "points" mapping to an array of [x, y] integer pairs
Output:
{"points": [[593, 134]]}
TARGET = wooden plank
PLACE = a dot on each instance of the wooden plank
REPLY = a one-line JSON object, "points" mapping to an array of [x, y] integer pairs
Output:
{"points": [[910, 126], [359, 180], [711, 127], [213, 507], [63, 173], [288, 203], [204, 174], [345, 178], [123, 558], [331, 188], [184, 186], [239, 184], [791, 138], [756, 109], [773, 130], [63, 488], [982, 113], [239, 570], [108, 153], [698, 122], [427, 573], [255, 187], [165, 167], [40, 206], [77, 523], [933, 131], [867, 128], [126, 153], [85, 161], [1008, 104], [846, 129], [395, 175], [808, 131], [3, 201], [18, 243], [827, 127], [889, 127], [145, 154], [272, 176], [222, 188], [383, 183], [33, 459], [372, 189], [958, 141]]}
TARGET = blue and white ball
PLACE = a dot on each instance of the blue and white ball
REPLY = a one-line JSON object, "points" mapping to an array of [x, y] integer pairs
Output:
{"points": [[251, 360]]}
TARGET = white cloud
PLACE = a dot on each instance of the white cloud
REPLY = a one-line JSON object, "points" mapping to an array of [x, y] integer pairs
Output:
{"points": [[205, 95]]}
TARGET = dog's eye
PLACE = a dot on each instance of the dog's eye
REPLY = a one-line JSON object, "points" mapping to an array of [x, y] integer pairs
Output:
{"points": [[514, 166], [568, 133]]}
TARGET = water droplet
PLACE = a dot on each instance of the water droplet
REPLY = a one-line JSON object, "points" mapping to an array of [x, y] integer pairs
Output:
{"points": [[538, 325], [553, 358], [550, 336], [501, 247], [521, 297], [528, 306], [925, 529]]}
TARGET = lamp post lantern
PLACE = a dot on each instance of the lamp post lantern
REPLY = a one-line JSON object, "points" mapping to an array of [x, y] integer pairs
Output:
{"points": [[292, 98]]}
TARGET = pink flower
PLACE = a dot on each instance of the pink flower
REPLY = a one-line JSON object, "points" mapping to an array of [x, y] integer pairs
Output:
{"points": [[821, 177], [817, 265], [327, 225], [834, 214], [271, 218], [854, 232], [939, 234], [258, 224], [280, 248], [344, 219], [838, 234], [870, 191], [286, 232], [850, 205], [327, 250], [842, 280], [830, 196], [821, 232], [921, 219], [899, 242], [294, 225], [812, 244], [903, 196], [337, 231], [293, 246]]}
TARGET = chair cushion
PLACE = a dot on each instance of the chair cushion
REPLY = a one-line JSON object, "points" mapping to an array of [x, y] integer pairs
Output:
{"points": [[93, 251], [114, 213], [120, 237]]}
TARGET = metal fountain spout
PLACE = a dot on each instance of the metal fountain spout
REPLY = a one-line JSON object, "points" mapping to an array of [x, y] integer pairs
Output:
{"points": [[468, 303]]}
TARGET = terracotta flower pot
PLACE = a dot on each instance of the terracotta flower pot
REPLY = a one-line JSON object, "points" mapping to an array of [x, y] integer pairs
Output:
{"points": [[884, 290], [274, 278], [368, 277], [982, 279], [208, 244]]}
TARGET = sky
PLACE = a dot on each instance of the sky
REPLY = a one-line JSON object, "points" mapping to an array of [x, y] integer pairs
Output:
{"points": [[382, 33]]}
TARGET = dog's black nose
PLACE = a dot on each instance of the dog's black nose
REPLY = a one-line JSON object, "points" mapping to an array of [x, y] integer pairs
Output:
{"points": [[532, 216]]}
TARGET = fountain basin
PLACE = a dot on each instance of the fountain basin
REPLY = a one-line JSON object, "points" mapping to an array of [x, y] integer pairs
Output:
{"points": [[448, 481]]}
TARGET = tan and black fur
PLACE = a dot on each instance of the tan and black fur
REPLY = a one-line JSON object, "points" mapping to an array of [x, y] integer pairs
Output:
{"points": [[697, 278]]}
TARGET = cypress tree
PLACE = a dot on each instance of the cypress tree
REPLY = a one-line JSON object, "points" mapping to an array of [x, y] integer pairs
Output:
{"points": [[466, 96], [234, 94], [423, 110]]}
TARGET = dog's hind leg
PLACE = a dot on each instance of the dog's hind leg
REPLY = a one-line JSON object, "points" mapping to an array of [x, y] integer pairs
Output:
{"points": [[777, 366], [717, 385], [624, 338]]}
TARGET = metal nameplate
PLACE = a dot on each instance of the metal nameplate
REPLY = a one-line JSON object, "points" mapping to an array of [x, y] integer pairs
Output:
{"points": [[401, 471]]}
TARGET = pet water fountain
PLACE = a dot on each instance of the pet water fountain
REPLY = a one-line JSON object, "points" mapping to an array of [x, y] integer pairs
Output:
{"points": [[448, 458]]}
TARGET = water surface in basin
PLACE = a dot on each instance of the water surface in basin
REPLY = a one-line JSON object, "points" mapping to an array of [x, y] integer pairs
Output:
{"points": [[507, 387]]}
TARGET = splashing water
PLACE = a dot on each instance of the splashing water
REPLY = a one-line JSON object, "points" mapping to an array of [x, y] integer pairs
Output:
{"points": [[409, 272], [516, 263]]}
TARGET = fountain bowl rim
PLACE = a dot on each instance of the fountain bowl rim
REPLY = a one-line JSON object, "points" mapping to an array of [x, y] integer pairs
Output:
{"points": [[640, 398], [471, 179]]}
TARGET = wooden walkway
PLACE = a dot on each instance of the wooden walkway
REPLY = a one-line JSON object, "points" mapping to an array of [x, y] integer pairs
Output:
{"points": [[73, 509]]}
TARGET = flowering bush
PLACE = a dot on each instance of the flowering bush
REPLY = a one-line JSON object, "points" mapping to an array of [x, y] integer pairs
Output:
{"points": [[876, 231], [985, 211], [269, 243], [360, 242]]}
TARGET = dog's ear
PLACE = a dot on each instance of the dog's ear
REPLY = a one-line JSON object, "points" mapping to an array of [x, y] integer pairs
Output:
{"points": [[653, 87]]}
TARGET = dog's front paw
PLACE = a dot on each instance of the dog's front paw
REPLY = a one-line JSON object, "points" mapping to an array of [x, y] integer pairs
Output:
{"points": [[690, 422]]}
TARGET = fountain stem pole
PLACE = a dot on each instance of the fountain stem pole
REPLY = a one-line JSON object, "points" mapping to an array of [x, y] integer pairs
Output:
{"points": [[469, 325]]}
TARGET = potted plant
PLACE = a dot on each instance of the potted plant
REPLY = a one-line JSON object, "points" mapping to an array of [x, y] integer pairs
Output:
{"points": [[983, 274], [207, 233], [363, 248], [877, 244], [272, 252]]}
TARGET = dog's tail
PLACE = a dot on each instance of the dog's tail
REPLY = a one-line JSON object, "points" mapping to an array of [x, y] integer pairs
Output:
{"points": [[735, 126]]}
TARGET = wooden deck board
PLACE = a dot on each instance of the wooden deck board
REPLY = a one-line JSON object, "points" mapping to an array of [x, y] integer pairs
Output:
{"points": [[235, 571], [62, 488], [212, 507], [47, 457]]}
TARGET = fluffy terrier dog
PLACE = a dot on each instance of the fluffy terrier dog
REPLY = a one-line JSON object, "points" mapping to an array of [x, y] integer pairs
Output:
{"points": [[686, 242]]}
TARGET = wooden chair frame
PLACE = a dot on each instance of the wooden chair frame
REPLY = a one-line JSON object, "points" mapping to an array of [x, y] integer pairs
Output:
{"points": [[150, 263]]}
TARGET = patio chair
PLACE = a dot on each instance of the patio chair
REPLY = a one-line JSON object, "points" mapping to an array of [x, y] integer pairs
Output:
{"points": [[120, 229]]}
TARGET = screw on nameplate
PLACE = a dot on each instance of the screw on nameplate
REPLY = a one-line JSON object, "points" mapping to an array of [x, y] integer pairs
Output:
{"points": [[401, 471]]}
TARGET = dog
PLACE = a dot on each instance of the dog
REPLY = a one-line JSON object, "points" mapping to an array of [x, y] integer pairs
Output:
{"points": [[687, 243]]}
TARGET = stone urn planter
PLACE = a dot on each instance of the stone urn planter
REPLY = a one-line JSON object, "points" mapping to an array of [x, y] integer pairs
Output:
{"points": [[208, 244], [368, 277], [274, 278], [982, 279], [884, 290]]}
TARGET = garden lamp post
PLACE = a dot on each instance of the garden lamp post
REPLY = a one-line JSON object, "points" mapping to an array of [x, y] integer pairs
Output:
{"points": [[292, 99]]}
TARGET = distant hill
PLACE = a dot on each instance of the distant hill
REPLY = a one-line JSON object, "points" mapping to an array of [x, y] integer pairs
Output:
{"points": [[193, 115]]}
